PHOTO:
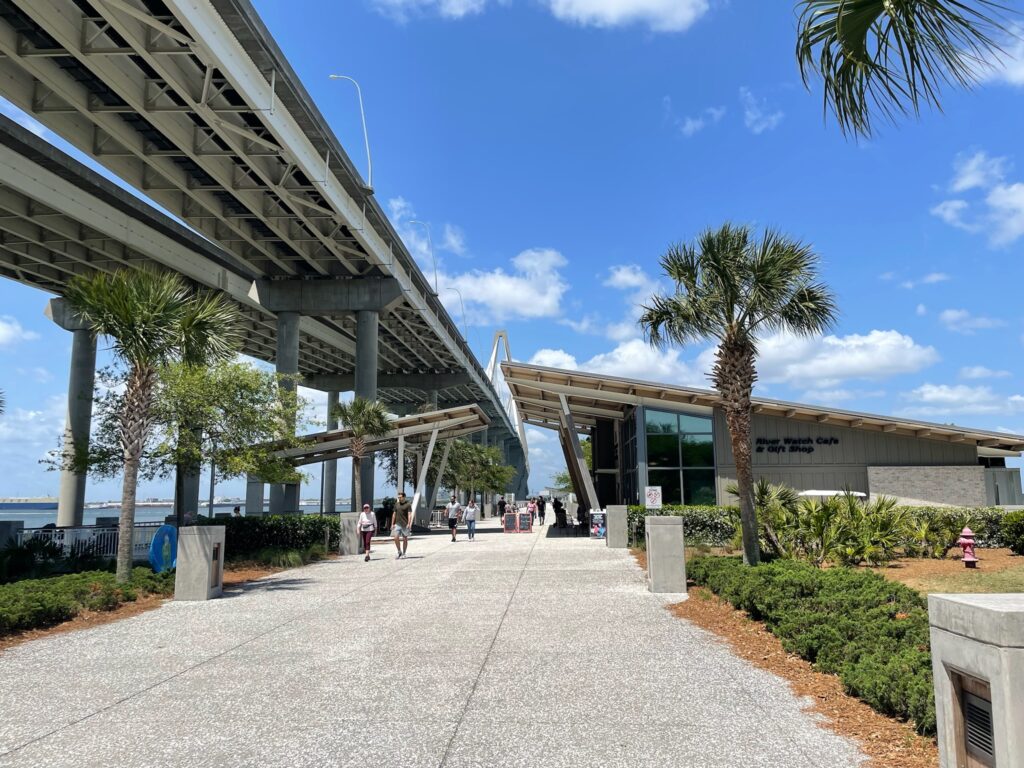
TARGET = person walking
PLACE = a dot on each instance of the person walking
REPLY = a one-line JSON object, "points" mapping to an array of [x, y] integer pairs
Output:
{"points": [[531, 507], [501, 507], [454, 511], [367, 527], [541, 509], [401, 524], [469, 515]]}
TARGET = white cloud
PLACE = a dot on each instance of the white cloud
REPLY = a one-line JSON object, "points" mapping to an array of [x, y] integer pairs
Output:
{"points": [[823, 361], [981, 372], [638, 287], [658, 15], [692, 125], [12, 332], [952, 212], [22, 118], [634, 359], [29, 434], [930, 279], [977, 170], [1008, 66], [453, 239], [586, 324], [833, 396], [1006, 212], [938, 400], [37, 373], [402, 10], [533, 289], [757, 115], [921, 310], [626, 277], [962, 321]]}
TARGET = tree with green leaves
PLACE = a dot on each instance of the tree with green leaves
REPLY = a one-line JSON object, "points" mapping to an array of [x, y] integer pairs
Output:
{"points": [[152, 319], [734, 288], [563, 480], [364, 419], [891, 57], [228, 414]]}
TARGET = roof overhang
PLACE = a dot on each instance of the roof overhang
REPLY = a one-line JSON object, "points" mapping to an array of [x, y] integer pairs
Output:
{"points": [[538, 391], [415, 429]]}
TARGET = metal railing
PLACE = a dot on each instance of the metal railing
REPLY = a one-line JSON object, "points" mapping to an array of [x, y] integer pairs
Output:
{"points": [[93, 540]]}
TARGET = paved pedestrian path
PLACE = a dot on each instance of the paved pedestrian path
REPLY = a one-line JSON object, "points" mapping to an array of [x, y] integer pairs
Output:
{"points": [[512, 650]]}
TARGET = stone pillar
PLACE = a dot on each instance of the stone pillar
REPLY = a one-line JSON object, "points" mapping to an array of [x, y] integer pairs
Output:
{"points": [[978, 668], [366, 384], [432, 399], [253, 496], [285, 497], [666, 555], [330, 468], [616, 519], [186, 483], [81, 381]]}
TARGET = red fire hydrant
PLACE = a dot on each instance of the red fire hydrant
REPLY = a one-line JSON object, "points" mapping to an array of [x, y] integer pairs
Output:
{"points": [[966, 543]]}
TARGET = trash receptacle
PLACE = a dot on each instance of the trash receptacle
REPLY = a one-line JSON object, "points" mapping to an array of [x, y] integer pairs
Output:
{"points": [[200, 567]]}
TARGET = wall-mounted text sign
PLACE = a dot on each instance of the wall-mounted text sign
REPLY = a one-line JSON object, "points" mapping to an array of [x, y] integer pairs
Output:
{"points": [[792, 444]]}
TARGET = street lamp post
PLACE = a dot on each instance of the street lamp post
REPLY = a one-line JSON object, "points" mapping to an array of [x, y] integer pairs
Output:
{"points": [[465, 323], [430, 246], [366, 136]]}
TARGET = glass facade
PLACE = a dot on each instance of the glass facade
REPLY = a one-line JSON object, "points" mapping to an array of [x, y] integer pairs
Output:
{"points": [[628, 457], [680, 456]]}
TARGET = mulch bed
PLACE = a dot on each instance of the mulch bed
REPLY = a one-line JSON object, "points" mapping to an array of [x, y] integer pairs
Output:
{"points": [[888, 743]]}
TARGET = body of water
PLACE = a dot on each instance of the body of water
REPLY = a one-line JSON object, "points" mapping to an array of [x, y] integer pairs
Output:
{"points": [[37, 518]]}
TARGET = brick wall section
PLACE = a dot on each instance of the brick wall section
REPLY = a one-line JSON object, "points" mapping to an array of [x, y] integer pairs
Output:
{"points": [[962, 486]]}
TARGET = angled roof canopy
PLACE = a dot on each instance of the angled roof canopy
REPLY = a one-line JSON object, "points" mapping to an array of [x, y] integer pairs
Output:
{"points": [[415, 429], [538, 390]]}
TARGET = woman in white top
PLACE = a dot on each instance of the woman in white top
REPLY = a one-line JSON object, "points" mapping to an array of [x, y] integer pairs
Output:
{"points": [[469, 515], [367, 526]]}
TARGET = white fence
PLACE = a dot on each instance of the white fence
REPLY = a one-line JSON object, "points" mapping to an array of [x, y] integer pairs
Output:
{"points": [[101, 542]]}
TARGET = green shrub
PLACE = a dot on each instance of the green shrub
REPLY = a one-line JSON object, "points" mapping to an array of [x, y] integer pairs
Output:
{"points": [[1012, 531], [35, 603], [707, 525], [247, 537], [871, 632]]}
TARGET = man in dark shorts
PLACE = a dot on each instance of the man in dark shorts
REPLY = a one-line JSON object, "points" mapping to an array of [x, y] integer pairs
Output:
{"points": [[401, 523], [454, 511], [501, 508]]}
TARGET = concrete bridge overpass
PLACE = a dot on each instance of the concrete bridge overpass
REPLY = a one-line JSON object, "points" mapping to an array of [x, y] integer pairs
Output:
{"points": [[193, 104]]}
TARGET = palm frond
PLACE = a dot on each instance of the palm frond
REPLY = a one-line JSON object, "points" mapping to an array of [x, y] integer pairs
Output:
{"points": [[890, 57]]}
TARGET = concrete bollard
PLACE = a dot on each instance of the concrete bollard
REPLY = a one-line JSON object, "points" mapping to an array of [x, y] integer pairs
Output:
{"points": [[666, 554], [618, 532], [9, 531], [977, 644], [351, 542], [199, 572]]}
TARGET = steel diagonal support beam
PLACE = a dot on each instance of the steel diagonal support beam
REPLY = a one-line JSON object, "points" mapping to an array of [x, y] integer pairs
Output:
{"points": [[423, 515], [576, 451], [422, 480]]}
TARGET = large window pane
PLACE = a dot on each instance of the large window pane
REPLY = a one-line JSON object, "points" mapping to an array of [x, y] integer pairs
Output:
{"points": [[699, 486], [689, 423], [662, 451], [668, 479], [697, 451], [659, 422]]}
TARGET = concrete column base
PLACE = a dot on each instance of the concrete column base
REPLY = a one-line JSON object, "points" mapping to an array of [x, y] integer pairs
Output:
{"points": [[618, 530], [200, 566], [666, 555], [977, 645], [351, 543]]}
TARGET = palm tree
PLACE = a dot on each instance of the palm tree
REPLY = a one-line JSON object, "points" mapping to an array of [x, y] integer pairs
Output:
{"points": [[894, 55], [364, 419], [152, 318], [734, 288]]}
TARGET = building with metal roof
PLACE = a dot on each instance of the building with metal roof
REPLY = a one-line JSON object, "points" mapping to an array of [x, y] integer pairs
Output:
{"points": [[675, 438]]}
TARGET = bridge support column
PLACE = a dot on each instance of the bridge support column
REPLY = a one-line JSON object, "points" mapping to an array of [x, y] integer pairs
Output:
{"points": [[367, 327], [81, 381], [284, 497], [330, 468], [432, 399], [253, 497]]}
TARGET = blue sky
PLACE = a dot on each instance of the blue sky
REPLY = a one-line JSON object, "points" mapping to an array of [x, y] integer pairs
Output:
{"points": [[556, 147]]}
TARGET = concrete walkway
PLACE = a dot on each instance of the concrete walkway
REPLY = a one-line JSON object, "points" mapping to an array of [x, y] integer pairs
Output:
{"points": [[513, 650]]}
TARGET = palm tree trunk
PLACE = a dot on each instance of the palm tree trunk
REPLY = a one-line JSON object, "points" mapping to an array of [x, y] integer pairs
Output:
{"points": [[136, 422], [357, 484], [126, 528]]}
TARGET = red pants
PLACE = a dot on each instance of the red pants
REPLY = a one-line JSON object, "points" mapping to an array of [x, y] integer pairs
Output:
{"points": [[367, 538]]}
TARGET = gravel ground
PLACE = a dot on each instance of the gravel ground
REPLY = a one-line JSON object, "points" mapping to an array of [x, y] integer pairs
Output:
{"points": [[511, 650]]}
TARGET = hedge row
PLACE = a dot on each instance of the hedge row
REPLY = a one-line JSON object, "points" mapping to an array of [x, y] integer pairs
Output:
{"points": [[1013, 531], [870, 631], [35, 603], [245, 537], [708, 525]]}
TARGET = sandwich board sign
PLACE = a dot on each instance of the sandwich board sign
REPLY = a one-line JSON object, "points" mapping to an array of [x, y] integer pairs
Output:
{"points": [[652, 496]]}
